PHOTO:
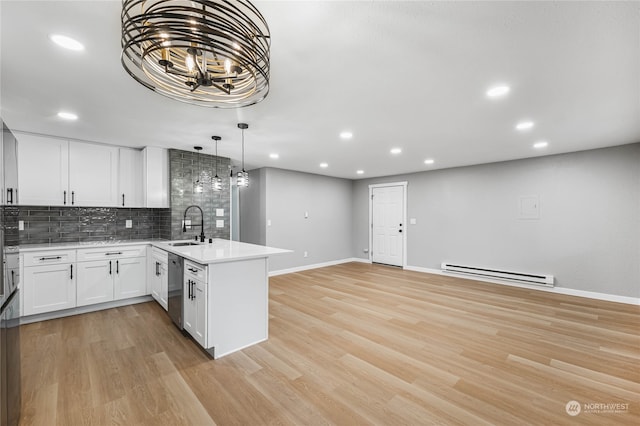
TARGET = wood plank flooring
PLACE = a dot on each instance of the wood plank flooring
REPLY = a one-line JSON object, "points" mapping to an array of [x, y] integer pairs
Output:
{"points": [[350, 344]]}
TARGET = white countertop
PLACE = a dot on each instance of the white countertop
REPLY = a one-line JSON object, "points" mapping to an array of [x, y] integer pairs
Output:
{"points": [[219, 251], [204, 253]]}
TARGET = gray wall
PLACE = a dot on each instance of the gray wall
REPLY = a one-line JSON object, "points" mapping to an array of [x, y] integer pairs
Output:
{"points": [[587, 234], [325, 234], [253, 209]]}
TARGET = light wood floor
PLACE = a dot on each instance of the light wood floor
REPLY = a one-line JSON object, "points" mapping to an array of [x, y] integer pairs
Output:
{"points": [[349, 344]]}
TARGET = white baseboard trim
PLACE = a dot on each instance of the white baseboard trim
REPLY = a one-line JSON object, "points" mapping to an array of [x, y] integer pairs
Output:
{"points": [[316, 266], [84, 309], [559, 290]]}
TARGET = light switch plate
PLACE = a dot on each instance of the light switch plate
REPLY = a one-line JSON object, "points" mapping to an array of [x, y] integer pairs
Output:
{"points": [[219, 212], [220, 223], [21, 225], [128, 223]]}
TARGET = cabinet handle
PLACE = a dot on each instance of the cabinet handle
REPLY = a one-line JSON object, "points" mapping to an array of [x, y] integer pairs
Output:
{"points": [[9, 193], [113, 253], [189, 284], [13, 279], [118, 267], [71, 277], [64, 198], [122, 200], [110, 268], [192, 291], [192, 270], [51, 258], [73, 197], [157, 268]]}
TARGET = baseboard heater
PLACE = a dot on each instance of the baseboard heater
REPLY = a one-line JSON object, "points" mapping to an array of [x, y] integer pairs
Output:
{"points": [[539, 279]]}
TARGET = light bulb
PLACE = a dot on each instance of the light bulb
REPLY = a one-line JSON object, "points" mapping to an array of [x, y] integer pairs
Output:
{"points": [[190, 63]]}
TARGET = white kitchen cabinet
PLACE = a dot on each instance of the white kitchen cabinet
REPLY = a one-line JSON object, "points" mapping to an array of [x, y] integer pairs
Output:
{"points": [[116, 273], [49, 281], [57, 172], [195, 305], [130, 278], [156, 177], [95, 282], [9, 163], [43, 171], [159, 278], [93, 174], [130, 182]]}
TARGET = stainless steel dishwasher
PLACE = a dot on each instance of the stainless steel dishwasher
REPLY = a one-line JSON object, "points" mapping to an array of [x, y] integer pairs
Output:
{"points": [[176, 298]]}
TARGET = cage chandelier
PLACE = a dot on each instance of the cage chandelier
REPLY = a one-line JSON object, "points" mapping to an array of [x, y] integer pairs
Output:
{"points": [[202, 52]]}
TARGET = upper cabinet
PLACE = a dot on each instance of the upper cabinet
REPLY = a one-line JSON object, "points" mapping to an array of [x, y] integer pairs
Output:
{"points": [[93, 174], [43, 171], [130, 184], [58, 172], [9, 162], [156, 177]]}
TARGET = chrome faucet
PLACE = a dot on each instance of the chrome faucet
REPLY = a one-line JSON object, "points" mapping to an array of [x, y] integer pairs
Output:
{"points": [[184, 221]]}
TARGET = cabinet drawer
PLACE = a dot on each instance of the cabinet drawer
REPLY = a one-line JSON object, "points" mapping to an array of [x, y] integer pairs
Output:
{"points": [[115, 252], [49, 257], [195, 271]]}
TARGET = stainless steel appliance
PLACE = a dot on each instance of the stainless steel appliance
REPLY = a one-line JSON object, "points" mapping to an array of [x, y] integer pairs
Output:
{"points": [[176, 299], [10, 390]]}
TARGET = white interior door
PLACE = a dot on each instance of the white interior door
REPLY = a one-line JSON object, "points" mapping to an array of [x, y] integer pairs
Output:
{"points": [[387, 225]]}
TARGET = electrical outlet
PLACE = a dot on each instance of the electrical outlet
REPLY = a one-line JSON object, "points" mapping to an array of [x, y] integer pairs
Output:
{"points": [[128, 223], [21, 225], [306, 254], [219, 212], [186, 223], [220, 223]]}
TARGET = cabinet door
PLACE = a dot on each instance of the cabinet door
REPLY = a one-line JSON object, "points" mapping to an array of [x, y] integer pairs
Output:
{"points": [[164, 286], [9, 161], [189, 314], [155, 280], [48, 288], [156, 177], [95, 282], [43, 171], [200, 326], [130, 178], [93, 174], [130, 277]]}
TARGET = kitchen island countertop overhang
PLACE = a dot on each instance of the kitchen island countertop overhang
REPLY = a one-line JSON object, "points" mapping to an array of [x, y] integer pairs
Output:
{"points": [[218, 251]]}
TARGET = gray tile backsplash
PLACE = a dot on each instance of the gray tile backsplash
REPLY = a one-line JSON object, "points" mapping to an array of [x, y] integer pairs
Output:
{"points": [[184, 168], [50, 224]]}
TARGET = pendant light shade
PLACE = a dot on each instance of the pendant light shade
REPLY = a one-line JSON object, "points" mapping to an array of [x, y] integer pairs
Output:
{"points": [[202, 176], [216, 181], [243, 177]]}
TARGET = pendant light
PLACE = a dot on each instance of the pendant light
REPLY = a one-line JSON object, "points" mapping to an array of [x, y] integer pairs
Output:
{"points": [[198, 184], [243, 176], [216, 182]]}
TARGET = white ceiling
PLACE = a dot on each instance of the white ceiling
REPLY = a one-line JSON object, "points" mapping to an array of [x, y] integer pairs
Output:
{"points": [[397, 74]]}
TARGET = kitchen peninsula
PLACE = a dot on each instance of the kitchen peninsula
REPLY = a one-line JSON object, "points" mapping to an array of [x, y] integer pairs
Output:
{"points": [[222, 291], [225, 294]]}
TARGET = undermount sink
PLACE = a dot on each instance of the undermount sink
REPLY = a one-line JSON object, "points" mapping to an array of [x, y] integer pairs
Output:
{"points": [[184, 243]]}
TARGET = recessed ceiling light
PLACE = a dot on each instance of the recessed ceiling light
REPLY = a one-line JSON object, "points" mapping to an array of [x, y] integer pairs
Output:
{"points": [[429, 161], [524, 125], [346, 135], [498, 91], [274, 156], [395, 151], [540, 145], [360, 172], [67, 115], [66, 42], [324, 165]]}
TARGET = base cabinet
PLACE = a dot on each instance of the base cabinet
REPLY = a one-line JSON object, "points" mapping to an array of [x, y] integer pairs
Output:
{"points": [[159, 278], [48, 288], [130, 278], [95, 282], [195, 302]]}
